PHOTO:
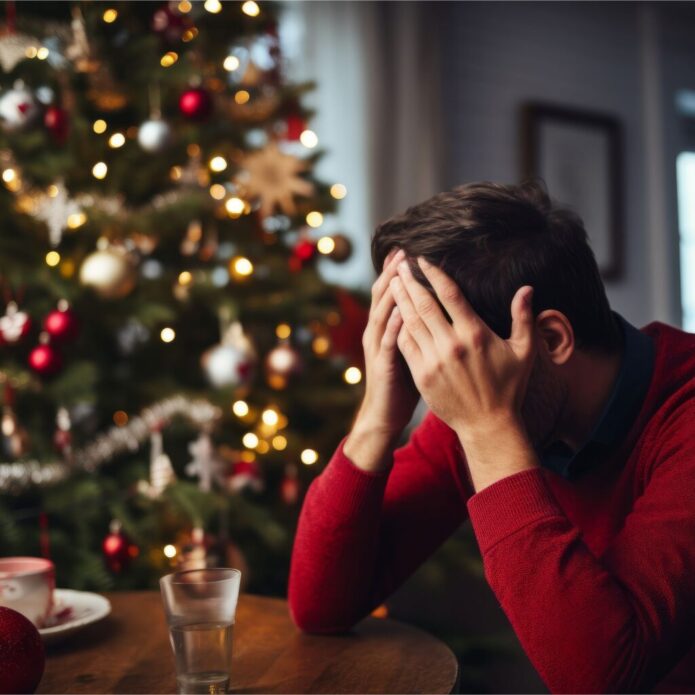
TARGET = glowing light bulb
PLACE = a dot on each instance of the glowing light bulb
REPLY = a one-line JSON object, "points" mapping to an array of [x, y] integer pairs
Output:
{"points": [[279, 442], [325, 245], [99, 170], [217, 191], [9, 175], [167, 335], [76, 219], [270, 416], [242, 96], [309, 139], [110, 15], [338, 191], [42, 53], [218, 164], [235, 206], [99, 126], [231, 63], [169, 551], [240, 408], [52, 258], [168, 59], [242, 266], [283, 330], [250, 440], [117, 140], [251, 8], [352, 375], [309, 457], [185, 278], [314, 219], [213, 6]]}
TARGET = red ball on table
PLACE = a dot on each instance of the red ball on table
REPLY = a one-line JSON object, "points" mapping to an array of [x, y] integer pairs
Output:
{"points": [[45, 360], [62, 325], [195, 104], [22, 656]]}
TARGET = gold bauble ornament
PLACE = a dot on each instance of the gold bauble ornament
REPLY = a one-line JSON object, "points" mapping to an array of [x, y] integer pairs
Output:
{"points": [[109, 271]]}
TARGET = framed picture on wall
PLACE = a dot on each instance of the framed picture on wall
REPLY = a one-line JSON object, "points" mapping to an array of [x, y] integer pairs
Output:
{"points": [[579, 156]]}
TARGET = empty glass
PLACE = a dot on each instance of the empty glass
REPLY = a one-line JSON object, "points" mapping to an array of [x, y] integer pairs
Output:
{"points": [[200, 607]]}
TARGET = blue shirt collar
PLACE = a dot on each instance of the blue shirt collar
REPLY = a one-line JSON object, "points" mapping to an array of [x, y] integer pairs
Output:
{"points": [[620, 411]]}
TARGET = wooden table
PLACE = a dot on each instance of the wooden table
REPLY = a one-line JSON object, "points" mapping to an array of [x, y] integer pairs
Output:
{"points": [[129, 652]]}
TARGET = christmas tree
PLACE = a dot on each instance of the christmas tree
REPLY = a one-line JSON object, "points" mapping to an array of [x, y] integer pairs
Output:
{"points": [[174, 369]]}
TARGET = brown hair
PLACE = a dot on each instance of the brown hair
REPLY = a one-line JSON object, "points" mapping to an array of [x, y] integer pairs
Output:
{"points": [[492, 239]]}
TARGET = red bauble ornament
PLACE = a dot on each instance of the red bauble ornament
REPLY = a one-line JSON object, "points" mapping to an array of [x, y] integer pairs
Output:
{"points": [[289, 488], [296, 125], [57, 123], [305, 250], [45, 360], [22, 656], [118, 549], [62, 325], [195, 104]]}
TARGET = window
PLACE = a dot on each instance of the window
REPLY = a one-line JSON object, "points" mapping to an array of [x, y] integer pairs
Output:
{"points": [[685, 172]]}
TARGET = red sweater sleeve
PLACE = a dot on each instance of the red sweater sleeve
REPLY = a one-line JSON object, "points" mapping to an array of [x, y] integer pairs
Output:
{"points": [[615, 623], [360, 535]]}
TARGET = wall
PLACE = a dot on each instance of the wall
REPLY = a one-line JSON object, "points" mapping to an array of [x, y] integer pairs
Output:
{"points": [[587, 55]]}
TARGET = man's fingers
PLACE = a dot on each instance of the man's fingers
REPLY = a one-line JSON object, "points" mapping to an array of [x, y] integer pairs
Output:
{"points": [[409, 348], [393, 326], [521, 338], [425, 305], [451, 297], [389, 271], [416, 327], [380, 315]]}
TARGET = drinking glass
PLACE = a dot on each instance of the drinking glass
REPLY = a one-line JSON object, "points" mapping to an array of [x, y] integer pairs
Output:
{"points": [[200, 606]]}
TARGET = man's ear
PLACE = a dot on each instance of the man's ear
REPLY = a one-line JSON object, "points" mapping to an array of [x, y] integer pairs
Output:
{"points": [[556, 336]]}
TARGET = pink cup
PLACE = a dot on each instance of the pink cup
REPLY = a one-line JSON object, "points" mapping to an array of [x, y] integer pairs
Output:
{"points": [[26, 585]]}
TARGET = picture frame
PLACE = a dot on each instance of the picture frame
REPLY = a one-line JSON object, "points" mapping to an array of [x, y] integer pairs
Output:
{"points": [[578, 154]]}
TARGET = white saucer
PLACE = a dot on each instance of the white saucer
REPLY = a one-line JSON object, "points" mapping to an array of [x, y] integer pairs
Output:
{"points": [[73, 610]]}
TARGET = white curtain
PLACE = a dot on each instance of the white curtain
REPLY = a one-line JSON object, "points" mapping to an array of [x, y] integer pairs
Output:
{"points": [[376, 102]]}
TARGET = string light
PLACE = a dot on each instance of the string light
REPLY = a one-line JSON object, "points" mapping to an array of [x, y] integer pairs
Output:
{"points": [[251, 8], [279, 442], [235, 207], [352, 375], [185, 278], [283, 330], [99, 126], [321, 345], [169, 551], [175, 173], [189, 34], [250, 440], [213, 6], [309, 457], [167, 334], [117, 140], [31, 52], [52, 258], [240, 408], [185, 7], [314, 219], [231, 63], [242, 96], [338, 191], [120, 418], [52, 191], [241, 266], [325, 245], [270, 416], [168, 59], [42, 53], [218, 191], [76, 219], [9, 175], [218, 164], [99, 170], [110, 15], [309, 139]]}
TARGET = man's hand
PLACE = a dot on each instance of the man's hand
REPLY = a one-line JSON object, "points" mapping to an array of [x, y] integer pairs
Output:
{"points": [[390, 395], [470, 378]]}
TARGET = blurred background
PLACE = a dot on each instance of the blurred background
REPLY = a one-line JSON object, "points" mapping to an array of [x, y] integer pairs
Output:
{"points": [[188, 195]]}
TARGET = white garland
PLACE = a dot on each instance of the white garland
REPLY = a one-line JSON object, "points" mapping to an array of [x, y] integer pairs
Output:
{"points": [[15, 477]]}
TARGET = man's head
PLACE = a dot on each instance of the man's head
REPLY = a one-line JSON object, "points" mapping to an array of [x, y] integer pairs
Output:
{"points": [[492, 239]]}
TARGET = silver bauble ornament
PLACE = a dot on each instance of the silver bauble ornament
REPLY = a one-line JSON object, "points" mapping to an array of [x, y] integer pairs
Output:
{"points": [[110, 272], [18, 108], [154, 135], [231, 362]]}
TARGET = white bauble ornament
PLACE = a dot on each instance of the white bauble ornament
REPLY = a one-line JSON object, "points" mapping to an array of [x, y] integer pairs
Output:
{"points": [[110, 272], [154, 135], [231, 362], [18, 108]]}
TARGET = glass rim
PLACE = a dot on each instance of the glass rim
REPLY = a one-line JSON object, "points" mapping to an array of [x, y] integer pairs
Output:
{"points": [[171, 578]]}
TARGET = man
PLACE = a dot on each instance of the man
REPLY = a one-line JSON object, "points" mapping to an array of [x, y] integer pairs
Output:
{"points": [[560, 430]]}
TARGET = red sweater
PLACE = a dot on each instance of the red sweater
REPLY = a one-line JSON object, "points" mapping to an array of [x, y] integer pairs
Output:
{"points": [[596, 575]]}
